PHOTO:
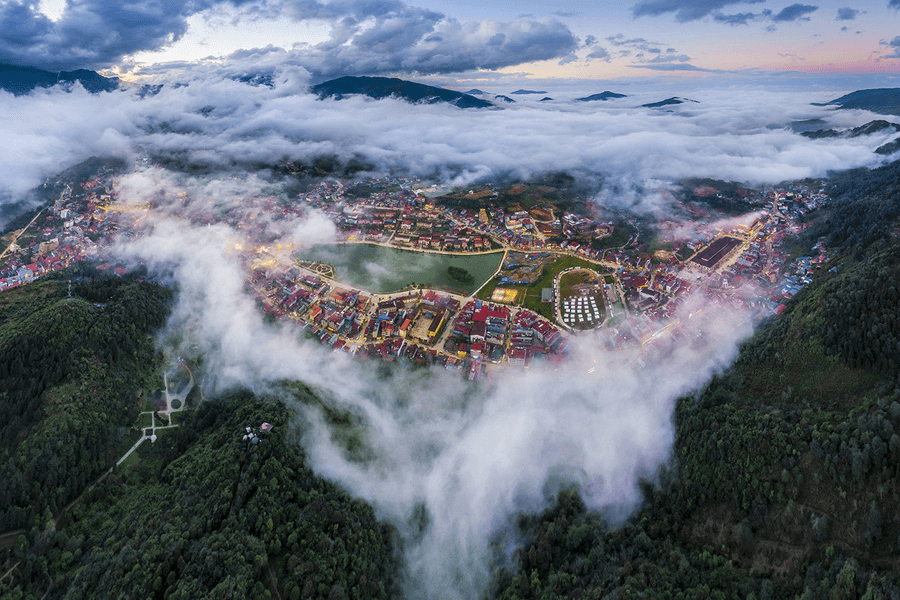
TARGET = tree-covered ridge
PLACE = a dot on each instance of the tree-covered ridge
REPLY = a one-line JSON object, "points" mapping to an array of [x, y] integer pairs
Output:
{"points": [[71, 369], [207, 514], [861, 313], [864, 208], [785, 480]]}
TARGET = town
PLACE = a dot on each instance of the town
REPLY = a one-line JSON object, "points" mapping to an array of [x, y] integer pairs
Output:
{"points": [[559, 272]]}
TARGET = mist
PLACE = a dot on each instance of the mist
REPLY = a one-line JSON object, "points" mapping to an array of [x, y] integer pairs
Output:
{"points": [[220, 125], [449, 463]]}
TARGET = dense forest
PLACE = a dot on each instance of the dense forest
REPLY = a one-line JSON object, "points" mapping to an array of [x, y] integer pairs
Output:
{"points": [[70, 368], [201, 513], [863, 211], [785, 481]]}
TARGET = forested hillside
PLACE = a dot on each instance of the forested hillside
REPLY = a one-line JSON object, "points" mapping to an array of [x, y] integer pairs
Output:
{"points": [[206, 514], [72, 369], [786, 473], [201, 513], [864, 208]]}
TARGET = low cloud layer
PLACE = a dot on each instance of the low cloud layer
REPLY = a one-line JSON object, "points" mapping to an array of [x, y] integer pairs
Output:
{"points": [[450, 463], [223, 124]]}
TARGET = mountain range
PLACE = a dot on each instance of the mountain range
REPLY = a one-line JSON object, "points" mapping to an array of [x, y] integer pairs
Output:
{"points": [[386, 87], [21, 80], [601, 96], [884, 101], [668, 102]]}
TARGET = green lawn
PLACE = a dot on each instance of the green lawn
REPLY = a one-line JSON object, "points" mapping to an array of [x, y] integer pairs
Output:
{"points": [[532, 296], [533, 292]]}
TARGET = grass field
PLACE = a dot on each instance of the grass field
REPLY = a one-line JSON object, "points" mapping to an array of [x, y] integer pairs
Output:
{"points": [[530, 296], [533, 292]]}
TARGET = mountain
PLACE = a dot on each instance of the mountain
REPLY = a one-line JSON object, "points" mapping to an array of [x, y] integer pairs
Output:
{"points": [[819, 134], [504, 98], [601, 96], [805, 125], [874, 127], [877, 126], [668, 102], [524, 92], [474, 92], [21, 80], [885, 101], [91, 80], [889, 148], [546, 99], [387, 87]]}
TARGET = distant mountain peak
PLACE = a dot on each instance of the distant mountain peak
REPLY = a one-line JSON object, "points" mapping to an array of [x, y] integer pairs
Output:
{"points": [[504, 98], [602, 96], [524, 92], [674, 100], [884, 101], [21, 80], [870, 128], [387, 87]]}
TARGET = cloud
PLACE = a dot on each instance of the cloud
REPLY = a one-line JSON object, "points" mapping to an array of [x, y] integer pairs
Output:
{"points": [[735, 19], [365, 37], [599, 53], [469, 457], [221, 124], [794, 12], [848, 14], [417, 41], [648, 54], [670, 66], [91, 33], [685, 10], [893, 45]]}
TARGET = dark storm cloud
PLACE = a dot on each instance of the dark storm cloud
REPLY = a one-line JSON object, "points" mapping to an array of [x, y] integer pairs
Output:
{"points": [[794, 12], [847, 14], [685, 10], [385, 37], [91, 33], [366, 37]]}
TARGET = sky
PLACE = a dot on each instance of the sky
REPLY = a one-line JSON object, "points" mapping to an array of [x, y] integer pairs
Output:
{"points": [[604, 420], [462, 41]]}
